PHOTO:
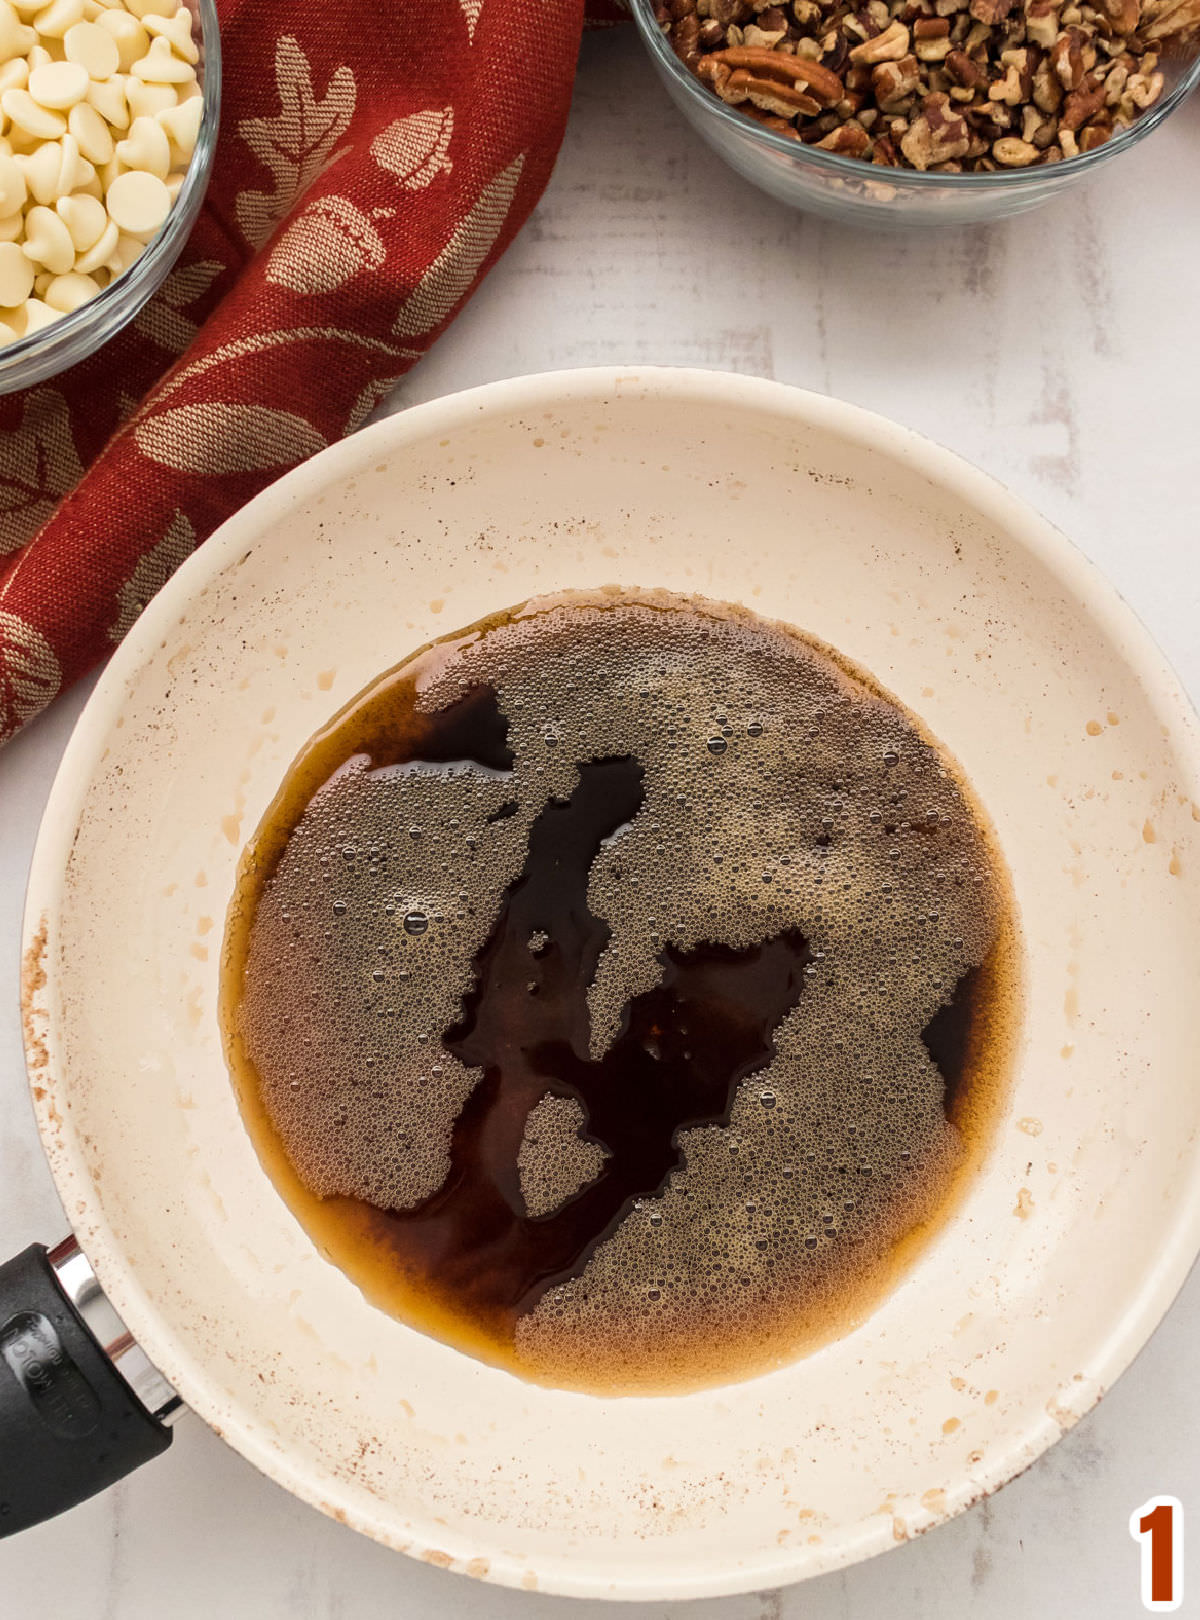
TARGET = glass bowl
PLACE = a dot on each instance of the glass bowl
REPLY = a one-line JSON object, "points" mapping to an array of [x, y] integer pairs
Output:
{"points": [[858, 193], [75, 336]]}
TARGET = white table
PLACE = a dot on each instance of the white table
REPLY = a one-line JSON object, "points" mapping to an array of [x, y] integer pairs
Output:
{"points": [[1061, 352]]}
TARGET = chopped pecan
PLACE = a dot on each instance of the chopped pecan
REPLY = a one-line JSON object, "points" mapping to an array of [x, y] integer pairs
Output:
{"points": [[730, 11], [1007, 89], [1041, 22], [1015, 153], [1144, 89], [1066, 58], [1082, 105], [938, 135], [990, 12], [964, 71], [1094, 135], [685, 38], [848, 139], [889, 46], [892, 81], [1047, 91]]}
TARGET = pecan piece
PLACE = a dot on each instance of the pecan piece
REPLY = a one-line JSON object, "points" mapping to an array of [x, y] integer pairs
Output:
{"points": [[685, 37], [769, 120], [1093, 136], [1082, 105], [964, 71], [1015, 153], [892, 81], [821, 84], [889, 46], [1041, 22], [1066, 58], [784, 100], [1047, 91], [990, 12], [1124, 15], [938, 135], [849, 140]]}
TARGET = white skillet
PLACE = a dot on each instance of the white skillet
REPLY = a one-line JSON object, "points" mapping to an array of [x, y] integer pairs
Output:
{"points": [[1069, 1246]]}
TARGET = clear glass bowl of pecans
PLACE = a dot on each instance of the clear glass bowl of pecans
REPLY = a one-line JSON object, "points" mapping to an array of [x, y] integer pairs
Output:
{"points": [[899, 113]]}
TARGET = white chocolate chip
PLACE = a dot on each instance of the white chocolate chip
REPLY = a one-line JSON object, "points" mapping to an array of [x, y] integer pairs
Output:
{"points": [[41, 170], [107, 97], [131, 38], [182, 125], [12, 227], [58, 16], [14, 75], [99, 255], [38, 56], [93, 48], [48, 241], [151, 8], [76, 171], [91, 132], [37, 315], [15, 36], [68, 292], [126, 251], [137, 203], [85, 217], [176, 29], [27, 115], [146, 147], [160, 65], [28, 7], [147, 100], [58, 85], [16, 274], [40, 282], [12, 186]]}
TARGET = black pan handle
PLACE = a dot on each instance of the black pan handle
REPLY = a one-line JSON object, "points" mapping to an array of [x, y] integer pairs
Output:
{"points": [[80, 1405]]}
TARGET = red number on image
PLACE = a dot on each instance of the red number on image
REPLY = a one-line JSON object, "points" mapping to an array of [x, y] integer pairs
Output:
{"points": [[1158, 1525]]}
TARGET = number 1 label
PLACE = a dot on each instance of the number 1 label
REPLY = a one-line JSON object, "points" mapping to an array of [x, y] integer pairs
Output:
{"points": [[1158, 1525]]}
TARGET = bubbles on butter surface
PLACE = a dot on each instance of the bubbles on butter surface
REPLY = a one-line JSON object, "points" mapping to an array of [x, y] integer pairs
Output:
{"points": [[554, 1161], [780, 793]]}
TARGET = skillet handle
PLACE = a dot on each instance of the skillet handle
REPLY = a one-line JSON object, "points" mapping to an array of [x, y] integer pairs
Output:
{"points": [[80, 1405]]}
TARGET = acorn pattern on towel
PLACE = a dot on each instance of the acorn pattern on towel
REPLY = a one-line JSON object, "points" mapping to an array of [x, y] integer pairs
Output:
{"points": [[370, 169]]}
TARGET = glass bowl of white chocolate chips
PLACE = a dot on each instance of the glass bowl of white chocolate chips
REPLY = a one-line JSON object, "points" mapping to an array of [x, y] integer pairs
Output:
{"points": [[108, 122]]}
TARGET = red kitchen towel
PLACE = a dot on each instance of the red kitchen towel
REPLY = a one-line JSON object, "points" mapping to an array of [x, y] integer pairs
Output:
{"points": [[373, 163]]}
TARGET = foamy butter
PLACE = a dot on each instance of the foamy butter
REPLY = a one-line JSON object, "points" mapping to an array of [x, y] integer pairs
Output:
{"points": [[583, 982]]}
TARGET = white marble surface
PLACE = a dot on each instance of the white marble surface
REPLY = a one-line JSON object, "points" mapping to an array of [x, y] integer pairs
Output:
{"points": [[1060, 352]]}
